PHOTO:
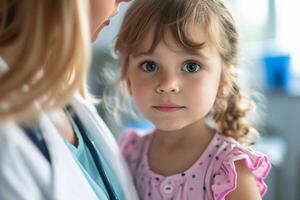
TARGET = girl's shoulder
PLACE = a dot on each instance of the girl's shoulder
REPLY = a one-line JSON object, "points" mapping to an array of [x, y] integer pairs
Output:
{"points": [[226, 152], [132, 142]]}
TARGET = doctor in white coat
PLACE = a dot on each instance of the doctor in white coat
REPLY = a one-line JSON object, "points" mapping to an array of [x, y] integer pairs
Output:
{"points": [[45, 53]]}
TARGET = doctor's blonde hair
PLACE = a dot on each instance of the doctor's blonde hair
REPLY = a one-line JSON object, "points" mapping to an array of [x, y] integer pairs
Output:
{"points": [[231, 108], [53, 58]]}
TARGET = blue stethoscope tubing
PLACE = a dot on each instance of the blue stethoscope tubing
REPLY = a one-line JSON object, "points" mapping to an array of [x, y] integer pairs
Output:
{"points": [[111, 192]]}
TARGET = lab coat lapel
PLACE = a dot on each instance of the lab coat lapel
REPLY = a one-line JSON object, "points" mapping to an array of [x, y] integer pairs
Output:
{"points": [[105, 143], [68, 179]]}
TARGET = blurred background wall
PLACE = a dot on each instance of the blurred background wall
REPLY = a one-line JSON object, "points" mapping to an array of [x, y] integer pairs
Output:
{"points": [[270, 71]]}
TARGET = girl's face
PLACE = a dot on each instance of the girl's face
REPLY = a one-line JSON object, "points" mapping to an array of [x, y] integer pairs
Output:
{"points": [[174, 88], [101, 11]]}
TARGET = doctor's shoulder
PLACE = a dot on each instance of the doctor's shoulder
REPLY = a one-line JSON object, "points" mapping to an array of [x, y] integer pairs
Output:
{"points": [[24, 171]]}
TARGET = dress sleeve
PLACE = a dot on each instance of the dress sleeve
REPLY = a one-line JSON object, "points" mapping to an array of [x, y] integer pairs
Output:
{"points": [[131, 145], [127, 141], [225, 178]]}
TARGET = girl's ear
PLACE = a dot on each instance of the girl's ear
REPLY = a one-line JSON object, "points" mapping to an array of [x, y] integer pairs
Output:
{"points": [[224, 87], [221, 91]]}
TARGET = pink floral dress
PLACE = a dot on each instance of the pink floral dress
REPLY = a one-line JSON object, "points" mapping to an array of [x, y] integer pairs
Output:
{"points": [[211, 177]]}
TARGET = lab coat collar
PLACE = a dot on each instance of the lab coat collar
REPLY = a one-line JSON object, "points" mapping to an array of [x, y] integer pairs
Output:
{"points": [[99, 133], [68, 179]]}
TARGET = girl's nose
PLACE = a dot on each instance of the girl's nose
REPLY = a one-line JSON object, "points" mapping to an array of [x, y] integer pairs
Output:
{"points": [[168, 84]]}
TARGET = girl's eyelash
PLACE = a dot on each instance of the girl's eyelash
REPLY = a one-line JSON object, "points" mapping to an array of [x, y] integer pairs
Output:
{"points": [[144, 61], [140, 63], [193, 61]]}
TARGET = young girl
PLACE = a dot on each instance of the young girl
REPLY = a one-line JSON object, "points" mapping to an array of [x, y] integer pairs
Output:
{"points": [[179, 62], [53, 144]]}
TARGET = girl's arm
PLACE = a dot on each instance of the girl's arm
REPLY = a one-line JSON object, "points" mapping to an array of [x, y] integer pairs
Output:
{"points": [[246, 185]]}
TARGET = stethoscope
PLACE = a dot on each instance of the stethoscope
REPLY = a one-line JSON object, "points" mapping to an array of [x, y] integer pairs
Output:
{"points": [[39, 142], [97, 160]]}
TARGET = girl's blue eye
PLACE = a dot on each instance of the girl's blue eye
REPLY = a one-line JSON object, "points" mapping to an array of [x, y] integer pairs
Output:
{"points": [[149, 66], [191, 67]]}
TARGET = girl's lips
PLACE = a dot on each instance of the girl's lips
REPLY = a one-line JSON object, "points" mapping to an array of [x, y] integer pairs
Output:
{"points": [[168, 108]]}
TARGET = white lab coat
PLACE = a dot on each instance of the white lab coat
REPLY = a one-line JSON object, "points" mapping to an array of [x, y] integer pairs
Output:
{"points": [[25, 174]]}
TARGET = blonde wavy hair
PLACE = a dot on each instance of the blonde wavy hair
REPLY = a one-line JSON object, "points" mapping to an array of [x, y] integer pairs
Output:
{"points": [[53, 59], [230, 110]]}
